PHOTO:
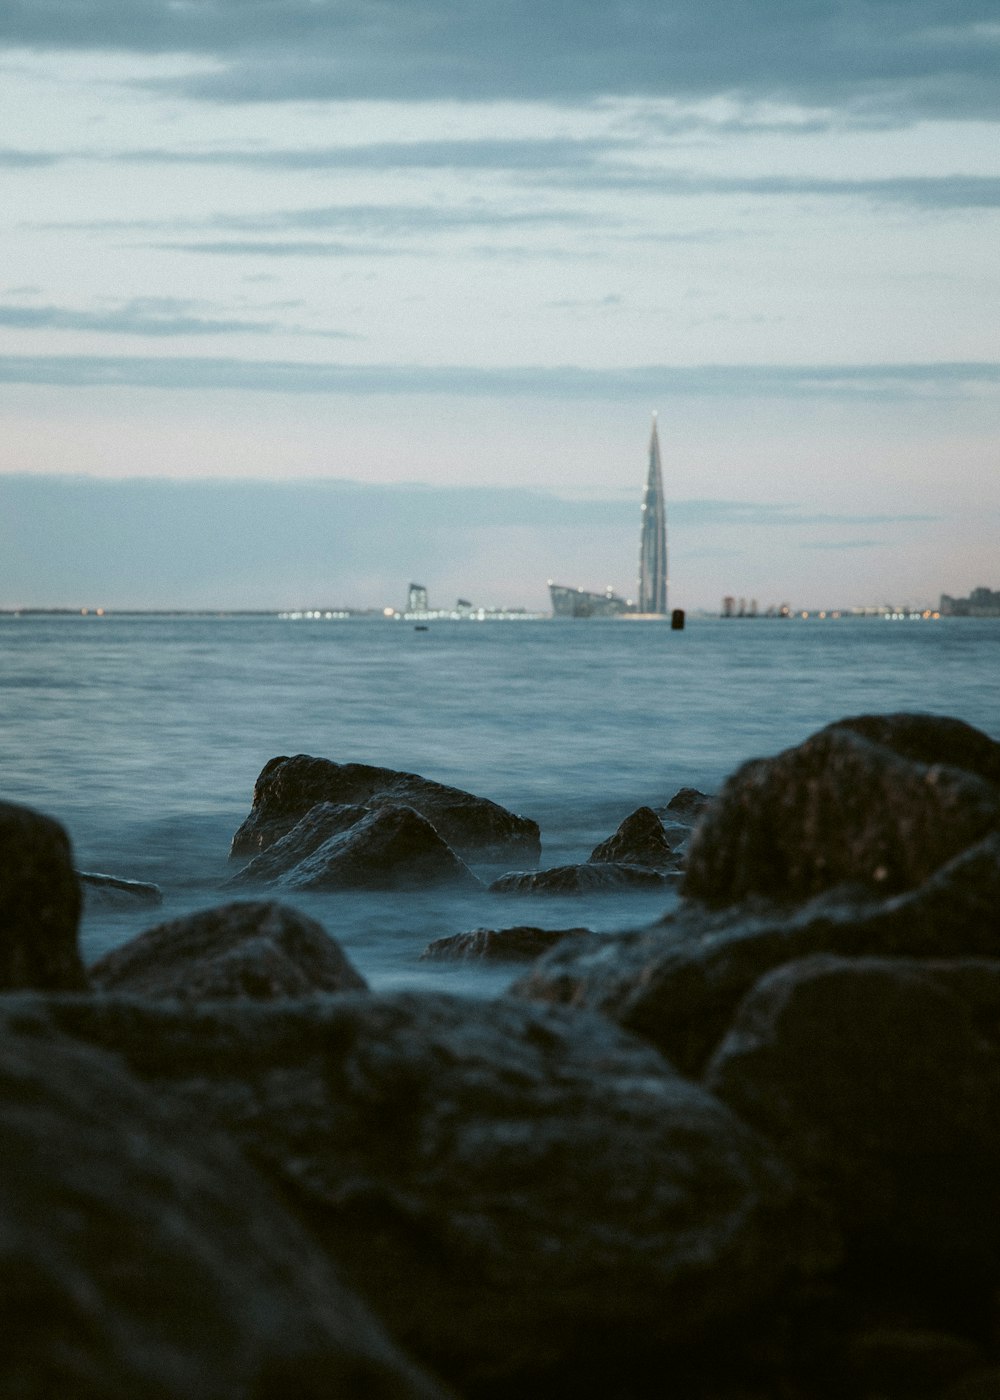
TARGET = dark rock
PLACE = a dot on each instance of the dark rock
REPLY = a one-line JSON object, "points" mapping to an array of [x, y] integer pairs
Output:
{"points": [[142, 1256], [321, 822], [983, 1384], [536, 1203], [260, 951], [39, 903], [931, 739], [678, 982], [875, 1078], [111, 892], [518, 944], [836, 808], [640, 840], [687, 805], [288, 787], [904, 1363], [589, 878], [390, 848]]}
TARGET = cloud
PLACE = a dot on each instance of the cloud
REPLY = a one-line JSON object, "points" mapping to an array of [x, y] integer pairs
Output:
{"points": [[889, 382], [900, 58], [153, 317]]}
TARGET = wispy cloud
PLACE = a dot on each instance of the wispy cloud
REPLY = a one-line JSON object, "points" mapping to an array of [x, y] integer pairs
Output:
{"points": [[144, 317], [901, 59], [890, 382]]}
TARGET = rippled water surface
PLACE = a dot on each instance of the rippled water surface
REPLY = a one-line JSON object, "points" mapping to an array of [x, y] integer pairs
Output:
{"points": [[144, 736]]}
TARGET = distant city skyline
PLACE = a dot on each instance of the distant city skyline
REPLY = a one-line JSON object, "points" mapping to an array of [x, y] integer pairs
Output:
{"points": [[457, 254]]}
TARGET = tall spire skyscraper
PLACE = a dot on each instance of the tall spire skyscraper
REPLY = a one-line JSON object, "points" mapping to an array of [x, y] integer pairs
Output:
{"points": [[653, 543]]}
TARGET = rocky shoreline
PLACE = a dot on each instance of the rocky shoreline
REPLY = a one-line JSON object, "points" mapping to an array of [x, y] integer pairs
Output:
{"points": [[749, 1152]]}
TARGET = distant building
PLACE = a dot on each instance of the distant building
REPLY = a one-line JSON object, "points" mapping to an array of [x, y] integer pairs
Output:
{"points": [[981, 602], [577, 602], [416, 599], [653, 539]]}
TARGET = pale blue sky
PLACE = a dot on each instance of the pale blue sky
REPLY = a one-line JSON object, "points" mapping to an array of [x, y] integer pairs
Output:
{"points": [[473, 246]]}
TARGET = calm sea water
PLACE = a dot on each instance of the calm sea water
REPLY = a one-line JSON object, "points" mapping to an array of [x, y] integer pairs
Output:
{"points": [[144, 736]]}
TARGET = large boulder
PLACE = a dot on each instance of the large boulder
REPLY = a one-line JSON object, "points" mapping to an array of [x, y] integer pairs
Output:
{"points": [[256, 950], [390, 848], [591, 877], [880, 1078], [931, 739], [678, 982], [39, 903], [142, 1256], [536, 1203], [640, 840], [288, 787], [843, 807], [321, 822], [521, 943]]}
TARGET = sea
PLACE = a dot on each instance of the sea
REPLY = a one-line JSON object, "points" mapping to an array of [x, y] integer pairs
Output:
{"points": [[143, 735]]}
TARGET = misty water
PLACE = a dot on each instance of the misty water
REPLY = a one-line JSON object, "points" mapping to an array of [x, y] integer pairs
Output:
{"points": [[144, 735]]}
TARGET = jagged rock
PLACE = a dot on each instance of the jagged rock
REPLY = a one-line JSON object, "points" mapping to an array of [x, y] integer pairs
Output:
{"points": [[390, 848], [321, 822], [288, 787], [518, 944], [837, 808], [687, 805], [536, 1203], [142, 1256], [261, 951], [640, 840], [878, 1081], [39, 903], [111, 892], [589, 878], [678, 982]]}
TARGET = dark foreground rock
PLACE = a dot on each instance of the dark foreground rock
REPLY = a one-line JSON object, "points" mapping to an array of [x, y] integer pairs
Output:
{"points": [[256, 950], [391, 848], [39, 903], [640, 840], [588, 878], [842, 807], [112, 892], [881, 1078], [288, 787], [319, 824], [535, 1203], [678, 982], [519, 944], [141, 1256]]}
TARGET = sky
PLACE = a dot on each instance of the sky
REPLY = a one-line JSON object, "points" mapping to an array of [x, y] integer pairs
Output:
{"points": [[305, 300]]}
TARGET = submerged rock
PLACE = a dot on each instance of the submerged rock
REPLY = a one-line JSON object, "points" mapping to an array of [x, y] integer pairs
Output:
{"points": [[39, 903], [112, 892], [841, 807], [321, 822], [140, 1255], [390, 848], [876, 1077], [589, 878], [678, 982], [247, 950], [640, 840], [535, 1203], [288, 787], [518, 944]]}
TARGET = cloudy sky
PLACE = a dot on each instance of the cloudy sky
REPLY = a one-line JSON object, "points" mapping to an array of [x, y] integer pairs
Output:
{"points": [[302, 299]]}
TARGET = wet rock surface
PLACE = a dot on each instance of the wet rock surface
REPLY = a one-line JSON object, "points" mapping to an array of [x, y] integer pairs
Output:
{"points": [[534, 1202], [287, 788], [113, 892], [640, 840], [687, 805], [588, 878], [39, 903], [249, 950], [841, 807], [679, 981], [319, 824], [143, 1256], [521, 943]]}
